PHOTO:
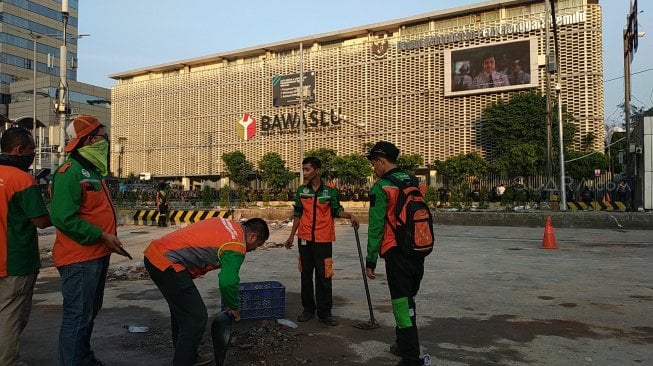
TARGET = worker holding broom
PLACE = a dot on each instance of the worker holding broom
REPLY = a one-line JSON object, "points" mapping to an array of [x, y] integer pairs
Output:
{"points": [[316, 205]]}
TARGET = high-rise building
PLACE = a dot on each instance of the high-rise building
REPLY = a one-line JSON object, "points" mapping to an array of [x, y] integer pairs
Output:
{"points": [[31, 33]]}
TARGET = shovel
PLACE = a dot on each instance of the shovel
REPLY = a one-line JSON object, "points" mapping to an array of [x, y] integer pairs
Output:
{"points": [[372, 323], [220, 333]]}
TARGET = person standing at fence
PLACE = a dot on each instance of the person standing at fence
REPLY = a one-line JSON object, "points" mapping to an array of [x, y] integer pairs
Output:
{"points": [[587, 196], [174, 260], [82, 212], [162, 197], [316, 206], [22, 210], [622, 191]]}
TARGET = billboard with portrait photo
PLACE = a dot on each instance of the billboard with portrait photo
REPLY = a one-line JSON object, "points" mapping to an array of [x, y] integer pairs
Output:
{"points": [[491, 68]]}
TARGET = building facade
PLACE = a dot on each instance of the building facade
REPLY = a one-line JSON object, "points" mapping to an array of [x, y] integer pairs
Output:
{"points": [[31, 33], [29, 25], [416, 81], [82, 99]]}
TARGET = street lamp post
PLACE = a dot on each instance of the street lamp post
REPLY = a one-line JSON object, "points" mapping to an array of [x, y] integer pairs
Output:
{"points": [[39, 139], [62, 100], [301, 112], [563, 193], [120, 148], [38, 146]]}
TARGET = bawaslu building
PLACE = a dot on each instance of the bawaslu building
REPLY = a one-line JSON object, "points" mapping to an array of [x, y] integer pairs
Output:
{"points": [[395, 81]]}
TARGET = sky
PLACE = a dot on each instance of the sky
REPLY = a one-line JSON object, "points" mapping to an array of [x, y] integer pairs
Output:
{"points": [[132, 34]]}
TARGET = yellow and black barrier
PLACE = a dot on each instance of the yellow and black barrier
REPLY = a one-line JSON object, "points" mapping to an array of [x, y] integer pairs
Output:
{"points": [[597, 206], [151, 217]]}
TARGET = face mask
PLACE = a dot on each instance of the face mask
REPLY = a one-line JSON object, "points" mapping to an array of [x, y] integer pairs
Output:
{"points": [[22, 162], [25, 161], [97, 154]]}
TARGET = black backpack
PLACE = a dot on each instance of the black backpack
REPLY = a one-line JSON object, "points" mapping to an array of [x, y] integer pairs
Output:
{"points": [[414, 229]]}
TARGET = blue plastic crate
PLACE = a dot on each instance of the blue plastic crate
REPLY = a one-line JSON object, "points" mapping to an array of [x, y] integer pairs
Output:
{"points": [[262, 300]]}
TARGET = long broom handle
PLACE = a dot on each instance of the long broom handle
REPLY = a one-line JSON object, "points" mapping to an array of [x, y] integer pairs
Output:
{"points": [[367, 290]]}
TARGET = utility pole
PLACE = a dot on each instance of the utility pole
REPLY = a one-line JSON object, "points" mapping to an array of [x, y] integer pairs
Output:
{"points": [[631, 35], [301, 112], [558, 88], [37, 162], [547, 86], [62, 91]]}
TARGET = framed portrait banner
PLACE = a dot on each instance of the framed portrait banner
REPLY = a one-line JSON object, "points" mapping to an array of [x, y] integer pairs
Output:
{"points": [[491, 68]]}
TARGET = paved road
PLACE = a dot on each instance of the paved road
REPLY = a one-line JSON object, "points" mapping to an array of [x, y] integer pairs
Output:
{"points": [[490, 296]]}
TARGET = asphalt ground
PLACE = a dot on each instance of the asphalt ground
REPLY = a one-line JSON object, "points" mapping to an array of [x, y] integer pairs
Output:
{"points": [[490, 296]]}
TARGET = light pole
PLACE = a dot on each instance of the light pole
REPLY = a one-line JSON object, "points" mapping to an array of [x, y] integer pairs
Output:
{"points": [[563, 193], [301, 112], [62, 90], [35, 37], [631, 36], [558, 87], [120, 149]]}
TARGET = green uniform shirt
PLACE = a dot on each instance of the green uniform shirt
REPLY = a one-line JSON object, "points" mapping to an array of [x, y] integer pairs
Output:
{"points": [[20, 201], [229, 278], [377, 216], [67, 200]]}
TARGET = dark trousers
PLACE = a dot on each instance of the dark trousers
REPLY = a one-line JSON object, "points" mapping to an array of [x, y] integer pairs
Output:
{"points": [[188, 314], [163, 215], [316, 258], [404, 277], [82, 288]]}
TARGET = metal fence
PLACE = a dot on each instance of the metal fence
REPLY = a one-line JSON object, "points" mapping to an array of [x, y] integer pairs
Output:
{"points": [[602, 187]]}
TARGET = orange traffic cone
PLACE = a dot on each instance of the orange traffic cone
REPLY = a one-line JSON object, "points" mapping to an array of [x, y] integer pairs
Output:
{"points": [[606, 197], [549, 241]]}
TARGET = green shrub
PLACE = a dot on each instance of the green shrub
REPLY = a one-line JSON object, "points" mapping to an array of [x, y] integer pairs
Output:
{"points": [[454, 198], [485, 198], [431, 196], [242, 197], [207, 196], [224, 196]]}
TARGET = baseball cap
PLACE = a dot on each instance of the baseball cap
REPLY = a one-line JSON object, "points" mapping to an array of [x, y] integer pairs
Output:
{"points": [[383, 149], [79, 128]]}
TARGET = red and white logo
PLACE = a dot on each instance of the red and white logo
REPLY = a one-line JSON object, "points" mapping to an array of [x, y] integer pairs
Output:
{"points": [[246, 127]]}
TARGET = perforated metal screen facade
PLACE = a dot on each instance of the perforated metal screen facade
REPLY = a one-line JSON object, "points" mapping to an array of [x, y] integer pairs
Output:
{"points": [[178, 119]]}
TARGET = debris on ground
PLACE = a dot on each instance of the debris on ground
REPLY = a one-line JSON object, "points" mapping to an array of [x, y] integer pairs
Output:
{"points": [[46, 257], [126, 273], [264, 343]]}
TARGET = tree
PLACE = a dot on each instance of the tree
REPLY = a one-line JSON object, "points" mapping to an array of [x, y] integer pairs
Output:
{"points": [[462, 166], [353, 168], [410, 163], [522, 121], [274, 172], [238, 168], [618, 141], [581, 165], [520, 160], [207, 196], [637, 114], [616, 150], [326, 156]]}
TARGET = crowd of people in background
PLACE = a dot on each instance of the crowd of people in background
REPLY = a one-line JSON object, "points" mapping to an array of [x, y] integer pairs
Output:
{"points": [[441, 196]]}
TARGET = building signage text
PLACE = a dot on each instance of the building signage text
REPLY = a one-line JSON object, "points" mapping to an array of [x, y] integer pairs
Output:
{"points": [[289, 123], [285, 89], [503, 29]]}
